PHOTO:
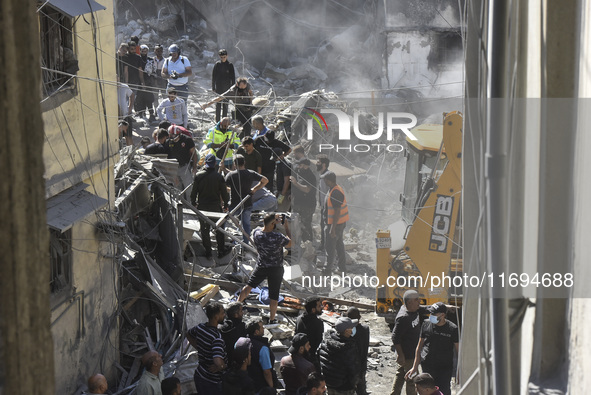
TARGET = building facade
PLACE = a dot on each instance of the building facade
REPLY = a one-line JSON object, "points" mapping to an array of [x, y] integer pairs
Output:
{"points": [[79, 104]]}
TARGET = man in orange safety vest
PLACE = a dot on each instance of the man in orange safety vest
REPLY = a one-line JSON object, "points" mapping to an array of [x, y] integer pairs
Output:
{"points": [[337, 215]]}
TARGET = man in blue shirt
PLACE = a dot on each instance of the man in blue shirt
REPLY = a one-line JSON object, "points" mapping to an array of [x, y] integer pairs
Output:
{"points": [[269, 245]]}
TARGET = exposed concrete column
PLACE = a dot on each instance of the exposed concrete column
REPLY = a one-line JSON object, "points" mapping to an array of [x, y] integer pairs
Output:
{"points": [[560, 58], [25, 337]]}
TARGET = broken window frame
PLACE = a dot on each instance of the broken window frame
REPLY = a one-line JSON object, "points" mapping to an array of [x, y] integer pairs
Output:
{"points": [[60, 260], [54, 27]]}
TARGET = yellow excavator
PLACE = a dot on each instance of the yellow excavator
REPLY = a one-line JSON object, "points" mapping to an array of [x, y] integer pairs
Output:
{"points": [[421, 251]]}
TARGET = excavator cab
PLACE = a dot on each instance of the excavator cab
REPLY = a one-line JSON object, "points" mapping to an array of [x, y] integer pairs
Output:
{"points": [[424, 243], [424, 163]]}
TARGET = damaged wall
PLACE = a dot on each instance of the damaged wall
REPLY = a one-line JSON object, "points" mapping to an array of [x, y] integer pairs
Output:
{"points": [[424, 47], [81, 143]]}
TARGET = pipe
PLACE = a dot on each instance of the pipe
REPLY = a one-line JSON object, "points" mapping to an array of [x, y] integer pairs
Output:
{"points": [[496, 188], [78, 296]]}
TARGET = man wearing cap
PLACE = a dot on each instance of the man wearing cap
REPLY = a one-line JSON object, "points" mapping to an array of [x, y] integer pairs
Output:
{"points": [[173, 109], [295, 367], [240, 182], [237, 381], [223, 77], [425, 385], [182, 148], [362, 339], [337, 215], [221, 139], [405, 337], [339, 358], [269, 245], [435, 351], [211, 350], [304, 196], [210, 193], [177, 70]]}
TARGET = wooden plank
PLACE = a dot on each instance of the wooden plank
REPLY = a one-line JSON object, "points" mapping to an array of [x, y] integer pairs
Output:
{"points": [[210, 294]]}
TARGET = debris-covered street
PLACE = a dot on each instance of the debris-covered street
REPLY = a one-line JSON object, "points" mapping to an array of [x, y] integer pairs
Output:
{"points": [[301, 197]]}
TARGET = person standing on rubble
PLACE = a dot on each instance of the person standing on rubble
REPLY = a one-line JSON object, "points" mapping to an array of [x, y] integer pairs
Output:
{"points": [[182, 148], [311, 325], [262, 358], [254, 160], [211, 350], [159, 82], [296, 366], [223, 77], [322, 163], [233, 327], [339, 357], [173, 110], [362, 339], [337, 215], [221, 139], [237, 381], [149, 383], [264, 143], [158, 147], [269, 244], [240, 182], [145, 97], [241, 94], [177, 70], [210, 193], [304, 196], [435, 351], [135, 72]]}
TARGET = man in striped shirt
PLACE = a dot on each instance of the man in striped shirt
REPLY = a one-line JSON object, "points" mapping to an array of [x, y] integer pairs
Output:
{"points": [[207, 340]]}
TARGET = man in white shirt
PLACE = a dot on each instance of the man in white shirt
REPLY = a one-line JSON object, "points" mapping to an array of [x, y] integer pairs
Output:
{"points": [[173, 109], [177, 70]]}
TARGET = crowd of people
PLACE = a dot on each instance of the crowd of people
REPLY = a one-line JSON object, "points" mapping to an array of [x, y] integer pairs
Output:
{"points": [[247, 168], [235, 358]]}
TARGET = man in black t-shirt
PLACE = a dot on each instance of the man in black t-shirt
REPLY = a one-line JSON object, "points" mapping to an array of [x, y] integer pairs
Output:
{"points": [[265, 144], [304, 196], [158, 146], [240, 181], [435, 351], [182, 148], [222, 78], [405, 337]]}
